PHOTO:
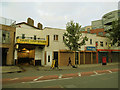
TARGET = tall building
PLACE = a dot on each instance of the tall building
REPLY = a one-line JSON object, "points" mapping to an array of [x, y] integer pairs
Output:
{"points": [[108, 18]]}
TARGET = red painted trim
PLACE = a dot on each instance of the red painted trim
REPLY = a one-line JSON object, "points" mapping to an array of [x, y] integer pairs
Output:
{"points": [[97, 57], [110, 50]]}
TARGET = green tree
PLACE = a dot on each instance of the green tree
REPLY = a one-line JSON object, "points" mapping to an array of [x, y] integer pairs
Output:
{"points": [[73, 37], [114, 33]]}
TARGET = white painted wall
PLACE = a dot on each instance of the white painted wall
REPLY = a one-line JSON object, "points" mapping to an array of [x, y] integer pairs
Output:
{"points": [[47, 54], [38, 53]]}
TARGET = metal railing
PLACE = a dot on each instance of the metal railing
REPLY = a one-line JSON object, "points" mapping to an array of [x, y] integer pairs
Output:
{"points": [[8, 22], [31, 38]]}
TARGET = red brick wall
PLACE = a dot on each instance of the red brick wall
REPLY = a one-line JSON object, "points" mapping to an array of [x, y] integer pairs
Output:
{"points": [[97, 31]]}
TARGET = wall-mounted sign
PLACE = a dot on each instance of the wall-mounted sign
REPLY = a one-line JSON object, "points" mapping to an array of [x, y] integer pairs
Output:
{"points": [[90, 48], [29, 41]]}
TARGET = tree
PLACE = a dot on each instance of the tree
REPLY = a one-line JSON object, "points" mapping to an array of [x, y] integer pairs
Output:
{"points": [[114, 33], [73, 37]]}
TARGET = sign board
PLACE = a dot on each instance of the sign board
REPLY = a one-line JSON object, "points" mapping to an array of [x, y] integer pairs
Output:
{"points": [[90, 48], [29, 41]]}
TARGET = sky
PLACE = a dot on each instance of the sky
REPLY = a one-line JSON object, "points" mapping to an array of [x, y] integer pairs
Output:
{"points": [[55, 13]]}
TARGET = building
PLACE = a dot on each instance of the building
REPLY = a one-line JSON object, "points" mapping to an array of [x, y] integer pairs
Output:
{"points": [[7, 40], [37, 46], [108, 18], [86, 29], [97, 28]]}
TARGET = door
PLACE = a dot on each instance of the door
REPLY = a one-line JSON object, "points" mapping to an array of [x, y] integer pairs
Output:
{"points": [[56, 58], [4, 56]]}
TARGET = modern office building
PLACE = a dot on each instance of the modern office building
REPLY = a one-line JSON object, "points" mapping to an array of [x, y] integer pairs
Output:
{"points": [[7, 41]]}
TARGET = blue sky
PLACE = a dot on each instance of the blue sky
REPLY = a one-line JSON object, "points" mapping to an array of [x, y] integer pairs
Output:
{"points": [[57, 14]]}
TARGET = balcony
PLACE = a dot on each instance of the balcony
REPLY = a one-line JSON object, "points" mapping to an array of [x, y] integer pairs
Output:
{"points": [[6, 21], [31, 40]]}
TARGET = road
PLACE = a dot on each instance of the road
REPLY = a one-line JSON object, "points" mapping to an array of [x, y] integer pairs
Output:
{"points": [[92, 77], [97, 81]]}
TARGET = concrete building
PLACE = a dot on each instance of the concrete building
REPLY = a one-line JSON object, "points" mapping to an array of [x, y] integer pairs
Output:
{"points": [[108, 18], [7, 41]]}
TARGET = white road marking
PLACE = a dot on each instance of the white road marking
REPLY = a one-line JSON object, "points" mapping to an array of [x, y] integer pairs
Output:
{"points": [[79, 74], [14, 78], [47, 80], [37, 78], [95, 72], [60, 76], [109, 71]]}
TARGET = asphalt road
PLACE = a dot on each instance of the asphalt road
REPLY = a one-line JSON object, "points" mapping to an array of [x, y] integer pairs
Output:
{"points": [[109, 80], [92, 77]]}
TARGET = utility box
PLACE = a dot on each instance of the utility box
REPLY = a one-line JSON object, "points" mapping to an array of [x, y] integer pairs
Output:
{"points": [[104, 62]]}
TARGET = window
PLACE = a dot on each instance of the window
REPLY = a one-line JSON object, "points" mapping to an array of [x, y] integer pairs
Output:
{"points": [[5, 36], [63, 38], [55, 37], [34, 37], [48, 58], [88, 30], [90, 41], [106, 43], [23, 36], [96, 43], [101, 44], [100, 33]]}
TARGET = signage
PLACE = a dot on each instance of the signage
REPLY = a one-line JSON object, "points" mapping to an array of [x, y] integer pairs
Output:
{"points": [[90, 48], [29, 41]]}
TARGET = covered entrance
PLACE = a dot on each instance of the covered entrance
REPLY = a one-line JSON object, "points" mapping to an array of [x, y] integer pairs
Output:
{"points": [[26, 54]]}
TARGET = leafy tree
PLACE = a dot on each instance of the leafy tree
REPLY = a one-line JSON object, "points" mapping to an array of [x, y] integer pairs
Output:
{"points": [[114, 33], [73, 37]]}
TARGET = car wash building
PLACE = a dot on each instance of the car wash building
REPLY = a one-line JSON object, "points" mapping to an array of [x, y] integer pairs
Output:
{"points": [[30, 43]]}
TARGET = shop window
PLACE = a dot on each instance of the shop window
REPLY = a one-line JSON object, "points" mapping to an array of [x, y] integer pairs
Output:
{"points": [[101, 44], [90, 41], [55, 37], [48, 58], [23, 36]]}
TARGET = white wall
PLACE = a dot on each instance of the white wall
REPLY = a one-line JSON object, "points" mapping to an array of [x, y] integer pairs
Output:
{"points": [[47, 54]]}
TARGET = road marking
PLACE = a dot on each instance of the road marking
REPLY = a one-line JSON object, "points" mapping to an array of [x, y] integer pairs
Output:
{"points": [[109, 71], [14, 78], [60, 76], [79, 74], [95, 72], [98, 74], [47, 80], [37, 78]]}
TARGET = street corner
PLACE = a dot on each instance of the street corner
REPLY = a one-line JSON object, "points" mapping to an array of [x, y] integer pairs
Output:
{"points": [[87, 73], [70, 75], [48, 77]]}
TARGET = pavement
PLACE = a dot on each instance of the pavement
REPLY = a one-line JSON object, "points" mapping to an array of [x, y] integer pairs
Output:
{"points": [[18, 69]]}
